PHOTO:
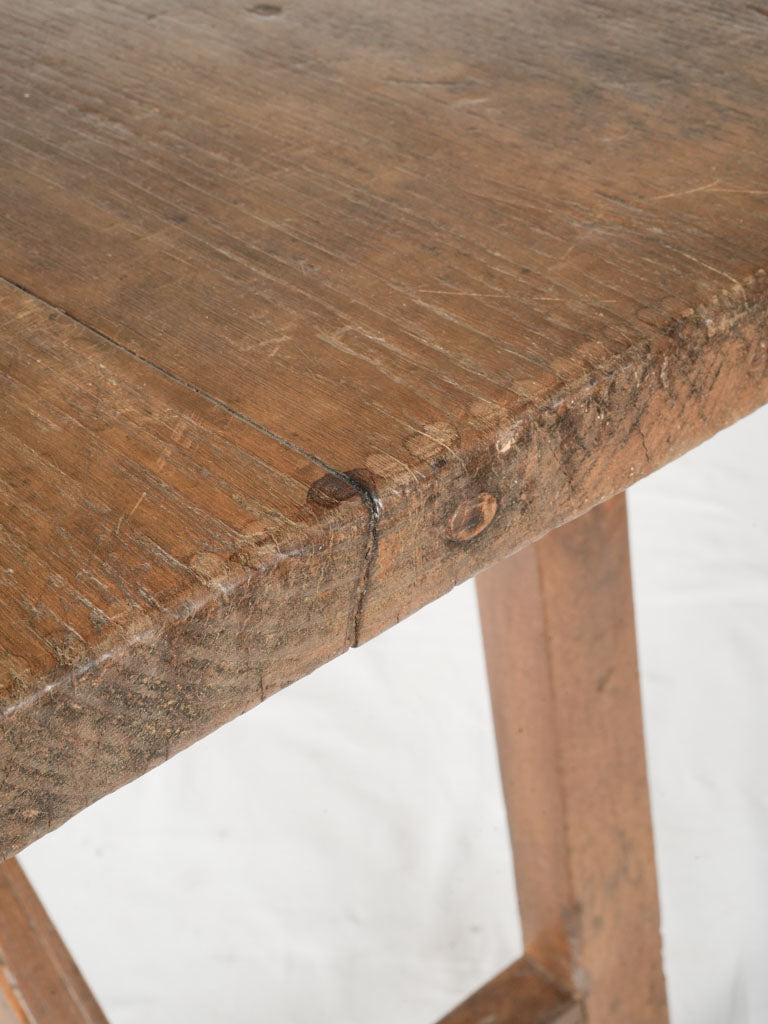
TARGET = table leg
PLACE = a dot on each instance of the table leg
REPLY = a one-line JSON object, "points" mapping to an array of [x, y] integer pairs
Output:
{"points": [[559, 634], [39, 981]]}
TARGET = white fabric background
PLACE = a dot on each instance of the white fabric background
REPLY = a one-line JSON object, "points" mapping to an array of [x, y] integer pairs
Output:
{"points": [[339, 856]]}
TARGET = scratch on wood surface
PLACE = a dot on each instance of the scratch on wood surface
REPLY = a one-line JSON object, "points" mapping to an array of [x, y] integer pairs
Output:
{"points": [[715, 270], [564, 257], [712, 186], [688, 191], [126, 518], [471, 295]]}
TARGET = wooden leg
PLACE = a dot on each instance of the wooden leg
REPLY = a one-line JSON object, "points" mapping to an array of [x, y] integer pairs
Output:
{"points": [[559, 635], [522, 994], [560, 646], [39, 981]]}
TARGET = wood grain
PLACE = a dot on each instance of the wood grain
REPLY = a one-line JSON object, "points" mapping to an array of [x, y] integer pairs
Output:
{"points": [[559, 632], [520, 995], [39, 981], [160, 552], [309, 314]]}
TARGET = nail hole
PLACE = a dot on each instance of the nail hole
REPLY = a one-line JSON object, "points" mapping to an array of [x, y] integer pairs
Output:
{"points": [[472, 517]]}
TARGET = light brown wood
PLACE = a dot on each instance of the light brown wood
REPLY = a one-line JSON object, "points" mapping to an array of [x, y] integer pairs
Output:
{"points": [[520, 995], [311, 310], [157, 548], [559, 634], [39, 981]]}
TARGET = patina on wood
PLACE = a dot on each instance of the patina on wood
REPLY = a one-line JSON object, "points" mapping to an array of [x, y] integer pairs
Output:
{"points": [[308, 316]]}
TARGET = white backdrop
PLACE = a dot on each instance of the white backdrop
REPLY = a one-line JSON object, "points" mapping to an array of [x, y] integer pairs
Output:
{"points": [[339, 856]]}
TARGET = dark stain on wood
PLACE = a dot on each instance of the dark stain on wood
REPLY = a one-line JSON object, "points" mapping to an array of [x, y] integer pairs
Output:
{"points": [[265, 10], [331, 489]]}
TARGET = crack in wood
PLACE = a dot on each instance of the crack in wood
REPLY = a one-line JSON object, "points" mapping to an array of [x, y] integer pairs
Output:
{"points": [[366, 492], [373, 504], [176, 379]]}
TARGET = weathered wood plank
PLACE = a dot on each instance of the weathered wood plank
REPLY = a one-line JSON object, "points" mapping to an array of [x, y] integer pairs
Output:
{"points": [[390, 290], [520, 995], [162, 568], [39, 981], [559, 632], [405, 237]]}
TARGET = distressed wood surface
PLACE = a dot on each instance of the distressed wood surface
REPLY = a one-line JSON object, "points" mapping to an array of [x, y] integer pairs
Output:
{"points": [[520, 995], [559, 633], [311, 310], [39, 981]]}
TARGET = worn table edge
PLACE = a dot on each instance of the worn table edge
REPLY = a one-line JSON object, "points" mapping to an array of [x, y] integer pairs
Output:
{"points": [[705, 329]]}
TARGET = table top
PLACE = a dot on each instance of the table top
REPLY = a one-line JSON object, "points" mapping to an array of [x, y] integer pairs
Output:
{"points": [[311, 310]]}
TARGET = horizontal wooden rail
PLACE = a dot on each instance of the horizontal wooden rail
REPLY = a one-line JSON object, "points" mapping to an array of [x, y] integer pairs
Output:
{"points": [[39, 980], [520, 995]]}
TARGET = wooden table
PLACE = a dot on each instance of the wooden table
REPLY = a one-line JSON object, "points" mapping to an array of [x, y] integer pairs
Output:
{"points": [[310, 311]]}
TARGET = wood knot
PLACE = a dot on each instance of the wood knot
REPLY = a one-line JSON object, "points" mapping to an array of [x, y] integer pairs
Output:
{"points": [[472, 517]]}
